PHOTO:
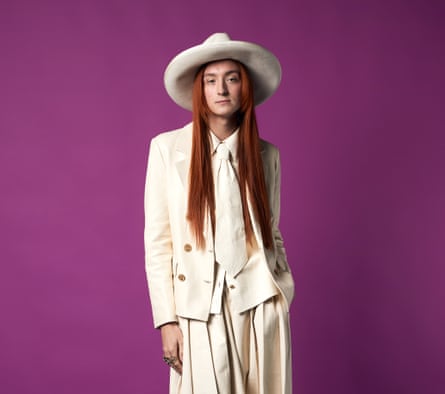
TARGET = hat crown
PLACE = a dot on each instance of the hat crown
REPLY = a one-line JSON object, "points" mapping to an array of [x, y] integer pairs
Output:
{"points": [[217, 37]]}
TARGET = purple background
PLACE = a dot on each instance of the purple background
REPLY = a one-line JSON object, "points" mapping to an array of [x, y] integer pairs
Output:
{"points": [[358, 118]]}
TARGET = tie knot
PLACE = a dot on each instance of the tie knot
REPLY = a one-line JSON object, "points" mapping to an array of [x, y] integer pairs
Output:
{"points": [[222, 152]]}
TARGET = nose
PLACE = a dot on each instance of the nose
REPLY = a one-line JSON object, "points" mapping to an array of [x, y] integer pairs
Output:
{"points": [[222, 87]]}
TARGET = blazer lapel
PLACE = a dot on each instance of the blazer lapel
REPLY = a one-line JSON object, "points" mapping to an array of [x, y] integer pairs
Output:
{"points": [[182, 159], [182, 154]]}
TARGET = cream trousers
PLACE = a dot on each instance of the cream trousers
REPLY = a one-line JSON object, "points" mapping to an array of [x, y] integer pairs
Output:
{"points": [[233, 353]]}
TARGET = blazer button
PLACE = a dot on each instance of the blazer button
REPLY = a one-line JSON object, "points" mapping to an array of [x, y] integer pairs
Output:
{"points": [[232, 287], [181, 277], [187, 247]]}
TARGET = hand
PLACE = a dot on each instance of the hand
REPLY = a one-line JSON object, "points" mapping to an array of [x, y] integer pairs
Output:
{"points": [[172, 345]]}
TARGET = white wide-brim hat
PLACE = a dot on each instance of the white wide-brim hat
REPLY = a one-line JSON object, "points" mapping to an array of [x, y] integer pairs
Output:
{"points": [[263, 67]]}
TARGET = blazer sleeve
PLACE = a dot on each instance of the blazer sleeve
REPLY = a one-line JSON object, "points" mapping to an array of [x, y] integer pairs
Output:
{"points": [[157, 237], [275, 205]]}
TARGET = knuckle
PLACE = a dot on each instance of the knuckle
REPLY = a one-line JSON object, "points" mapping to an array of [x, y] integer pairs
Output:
{"points": [[166, 350]]}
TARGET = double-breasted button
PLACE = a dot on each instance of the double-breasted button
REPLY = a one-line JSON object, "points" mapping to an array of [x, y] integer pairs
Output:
{"points": [[187, 247], [181, 277]]}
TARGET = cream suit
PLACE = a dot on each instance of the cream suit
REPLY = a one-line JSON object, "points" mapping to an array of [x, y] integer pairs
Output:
{"points": [[180, 276]]}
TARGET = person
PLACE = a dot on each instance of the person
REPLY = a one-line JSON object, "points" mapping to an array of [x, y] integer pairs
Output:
{"points": [[219, 281]]}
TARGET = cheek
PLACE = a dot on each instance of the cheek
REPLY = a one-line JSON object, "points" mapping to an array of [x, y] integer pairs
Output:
{"points": [[238, 93], [208, 93]]}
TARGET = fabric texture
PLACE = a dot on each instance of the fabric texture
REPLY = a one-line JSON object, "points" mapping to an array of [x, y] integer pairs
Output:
{"points": [[230, 237], [237, 353]]}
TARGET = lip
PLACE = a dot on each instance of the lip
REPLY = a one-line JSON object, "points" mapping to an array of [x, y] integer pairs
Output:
{"points": [[222, 101]]}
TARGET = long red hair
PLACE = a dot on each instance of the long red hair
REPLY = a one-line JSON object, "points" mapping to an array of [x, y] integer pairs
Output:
{"points": [[201, 200]]}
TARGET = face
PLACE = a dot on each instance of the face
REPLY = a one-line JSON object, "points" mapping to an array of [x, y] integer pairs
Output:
{"points": [[222, 88]]}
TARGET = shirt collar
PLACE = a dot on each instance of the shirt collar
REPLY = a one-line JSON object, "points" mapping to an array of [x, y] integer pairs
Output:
{"points": [[231, 143]]}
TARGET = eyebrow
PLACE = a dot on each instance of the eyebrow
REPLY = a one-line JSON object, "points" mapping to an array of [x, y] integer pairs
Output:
{"points": [[226, 73]]}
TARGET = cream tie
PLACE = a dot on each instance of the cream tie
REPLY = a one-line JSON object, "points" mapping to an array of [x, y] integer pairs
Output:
{"points": [[230, 237]]}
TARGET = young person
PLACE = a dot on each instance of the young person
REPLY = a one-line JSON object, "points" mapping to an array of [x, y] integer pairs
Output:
{"points": [[219, 282]]}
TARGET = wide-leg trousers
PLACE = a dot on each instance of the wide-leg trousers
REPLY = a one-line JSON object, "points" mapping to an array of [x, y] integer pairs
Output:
{"points": [[237, 353]]}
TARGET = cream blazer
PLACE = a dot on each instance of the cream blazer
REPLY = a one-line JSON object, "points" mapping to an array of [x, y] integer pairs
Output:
{"points": [[180, 276]]}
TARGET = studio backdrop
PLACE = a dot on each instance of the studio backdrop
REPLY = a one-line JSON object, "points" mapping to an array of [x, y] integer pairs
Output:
{"points": [[358, 119]]}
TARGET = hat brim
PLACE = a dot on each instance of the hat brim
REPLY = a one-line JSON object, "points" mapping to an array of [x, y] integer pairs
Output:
{"points": [[263, 67]]}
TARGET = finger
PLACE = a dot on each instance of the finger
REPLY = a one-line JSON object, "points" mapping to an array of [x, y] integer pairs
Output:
{"points": [[177, 366], [174, 363], [181, 349]]}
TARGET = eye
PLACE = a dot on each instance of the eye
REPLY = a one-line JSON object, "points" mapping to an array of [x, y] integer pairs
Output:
{"points": [[233, 79], [210, 81]]}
